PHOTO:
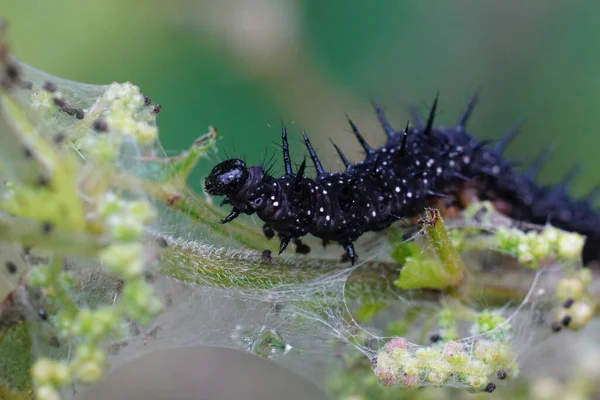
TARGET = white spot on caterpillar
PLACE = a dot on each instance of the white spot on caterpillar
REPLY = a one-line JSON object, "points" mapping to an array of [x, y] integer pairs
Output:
{"points": [[276, 204], [321, 209], [409, 195], [397, 189], [328, 218], [374, 213]]}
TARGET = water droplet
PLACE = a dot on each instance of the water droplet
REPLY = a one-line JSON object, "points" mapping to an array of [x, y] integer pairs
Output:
{"points": [[267, 343], [270, 344]]}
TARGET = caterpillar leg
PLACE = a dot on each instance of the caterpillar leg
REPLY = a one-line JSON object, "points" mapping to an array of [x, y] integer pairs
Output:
{"points": [[268, 231], [283, 243], [232, 215], [301, 248], [350, 254]]}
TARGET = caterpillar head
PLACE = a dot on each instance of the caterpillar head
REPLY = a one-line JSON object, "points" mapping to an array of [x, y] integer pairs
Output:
{"points": [[227, 178], [242, 186]]}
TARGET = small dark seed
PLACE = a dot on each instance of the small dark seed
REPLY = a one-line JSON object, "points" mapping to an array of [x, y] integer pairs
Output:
{"points": [[490, 387], [59, 138], [79, 114], [566, 320], [162, 242], [50, 87], [266, 255], [147, 100], [100, 125], [374, 362], [42, 181], [27, 152], [68, 110], [157, 109], [43, 314], [12, 72], [568, 303], [435, 338], [555, 326], [501, 375], [53, 342], [26, 85], [47, 227], [11, 267], [59, 102]]}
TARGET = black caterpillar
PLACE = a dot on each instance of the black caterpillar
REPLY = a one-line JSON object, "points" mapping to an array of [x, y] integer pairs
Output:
{"points": [[398, 181]]}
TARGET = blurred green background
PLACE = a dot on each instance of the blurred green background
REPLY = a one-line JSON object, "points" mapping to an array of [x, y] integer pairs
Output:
{"points": [[243, 65]]}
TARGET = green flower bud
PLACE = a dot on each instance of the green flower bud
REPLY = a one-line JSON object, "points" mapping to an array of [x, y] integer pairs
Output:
{"points": [[47, 392]]}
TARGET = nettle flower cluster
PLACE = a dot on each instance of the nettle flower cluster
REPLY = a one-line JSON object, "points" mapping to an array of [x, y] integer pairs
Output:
{"points": [[577, 304], [531, 247], [63, 185], [449, 361], [124, 222], [121, 113]]}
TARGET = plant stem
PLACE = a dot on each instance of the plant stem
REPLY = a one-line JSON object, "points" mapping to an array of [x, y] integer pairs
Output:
{"points": [[58, 286], [453, 270], [30, 234], [372, 281]]}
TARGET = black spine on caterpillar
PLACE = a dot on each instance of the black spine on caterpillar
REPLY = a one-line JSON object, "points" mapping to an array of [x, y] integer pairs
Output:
{"points": [[394, 182]]}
